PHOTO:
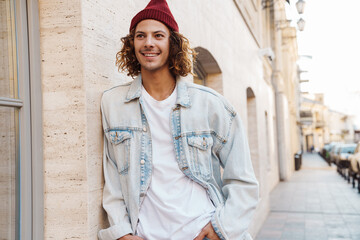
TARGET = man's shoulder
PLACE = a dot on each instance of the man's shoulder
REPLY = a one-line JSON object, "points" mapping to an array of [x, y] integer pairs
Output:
{"points": [[203, 93], [117, 91]]}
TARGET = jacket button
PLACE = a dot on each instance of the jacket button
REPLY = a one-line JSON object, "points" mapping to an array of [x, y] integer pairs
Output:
{"points": [[144, 129], [142, 162]]}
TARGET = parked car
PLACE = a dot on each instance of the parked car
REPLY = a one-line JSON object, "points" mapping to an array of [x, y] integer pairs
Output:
{"points": [[325, 153], [342, 159], [334, 152], [354, 169], [325, 149]]}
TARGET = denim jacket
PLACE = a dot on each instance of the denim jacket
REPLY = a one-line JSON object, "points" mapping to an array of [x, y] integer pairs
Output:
{"points": [[210, 146]]}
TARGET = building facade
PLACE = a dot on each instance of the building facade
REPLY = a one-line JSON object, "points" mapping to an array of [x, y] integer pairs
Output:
{"points": [[321, 125], [59, 56]]}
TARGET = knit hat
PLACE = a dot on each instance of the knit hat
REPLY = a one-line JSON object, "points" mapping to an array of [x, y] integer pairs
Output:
{"points": [[157, 10]]}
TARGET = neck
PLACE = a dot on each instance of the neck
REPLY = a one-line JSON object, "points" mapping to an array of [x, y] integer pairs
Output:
{"points": [[159, 84]]}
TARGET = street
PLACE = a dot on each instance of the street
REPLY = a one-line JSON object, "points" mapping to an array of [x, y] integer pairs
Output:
{"points": [[315, 204]]}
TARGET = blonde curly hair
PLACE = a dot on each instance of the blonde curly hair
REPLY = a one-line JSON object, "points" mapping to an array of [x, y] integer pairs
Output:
{"points": [[181, 55]]}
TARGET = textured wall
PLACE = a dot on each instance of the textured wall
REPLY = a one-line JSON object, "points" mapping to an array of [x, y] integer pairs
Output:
{"points": [[64, 120]]}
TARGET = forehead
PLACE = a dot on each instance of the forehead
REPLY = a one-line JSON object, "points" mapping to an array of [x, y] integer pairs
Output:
{"points": [[151, 25]]}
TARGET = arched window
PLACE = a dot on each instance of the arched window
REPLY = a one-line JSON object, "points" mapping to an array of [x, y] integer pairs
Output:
{"points": [[207, 70]]}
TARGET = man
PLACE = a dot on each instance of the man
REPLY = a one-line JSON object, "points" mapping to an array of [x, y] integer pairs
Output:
{"points": [[166, 141]]}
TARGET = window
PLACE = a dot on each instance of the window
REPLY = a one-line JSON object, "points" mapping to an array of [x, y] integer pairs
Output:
{"points": [[9, 124], [21, 193]]}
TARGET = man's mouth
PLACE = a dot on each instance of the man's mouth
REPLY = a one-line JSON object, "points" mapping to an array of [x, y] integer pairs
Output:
{"points": [[150, 54]]}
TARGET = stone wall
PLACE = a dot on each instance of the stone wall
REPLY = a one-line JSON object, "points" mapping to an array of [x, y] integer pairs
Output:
{"points": [[65, 139]]}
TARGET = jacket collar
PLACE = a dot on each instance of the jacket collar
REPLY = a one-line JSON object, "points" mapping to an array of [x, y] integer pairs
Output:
{"points": [[183, 98]]}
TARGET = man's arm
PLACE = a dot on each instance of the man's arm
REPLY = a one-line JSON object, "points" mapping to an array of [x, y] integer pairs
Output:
{"points": [[240, 187], [130, 237], [113, 200]]}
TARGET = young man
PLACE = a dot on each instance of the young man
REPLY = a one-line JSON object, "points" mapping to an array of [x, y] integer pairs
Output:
{"points": [[166, 141]]}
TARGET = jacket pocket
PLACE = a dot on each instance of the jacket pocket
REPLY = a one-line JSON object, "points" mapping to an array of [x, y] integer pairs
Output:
{"points": [[120, 139], [200, 154]]}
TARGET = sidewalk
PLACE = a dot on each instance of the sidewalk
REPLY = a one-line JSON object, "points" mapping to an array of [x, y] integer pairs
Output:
{"points": [[315, 204]]}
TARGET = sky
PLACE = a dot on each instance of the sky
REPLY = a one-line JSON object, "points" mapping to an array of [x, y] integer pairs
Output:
{"points": [[332, 38]]}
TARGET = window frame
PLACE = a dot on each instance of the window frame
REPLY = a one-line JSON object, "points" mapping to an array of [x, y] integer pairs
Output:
{"points": [[28, 103]]}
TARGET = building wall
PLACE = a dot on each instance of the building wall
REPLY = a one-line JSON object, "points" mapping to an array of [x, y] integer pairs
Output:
{"points": [[324, 125], [79, 40], [64, 120]]}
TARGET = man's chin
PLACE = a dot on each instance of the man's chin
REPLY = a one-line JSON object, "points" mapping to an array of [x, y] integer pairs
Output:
{"points": [[153, 69]]}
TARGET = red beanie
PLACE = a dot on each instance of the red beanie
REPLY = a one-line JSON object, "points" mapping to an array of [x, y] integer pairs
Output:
{"points": [[157, 10]]}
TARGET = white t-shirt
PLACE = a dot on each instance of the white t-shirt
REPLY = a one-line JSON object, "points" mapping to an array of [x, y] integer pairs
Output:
{"points": [[175, 207]]}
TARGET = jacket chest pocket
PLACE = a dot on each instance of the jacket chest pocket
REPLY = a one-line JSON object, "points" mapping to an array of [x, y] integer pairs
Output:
{"points": [[200, 154], [120, 139]]}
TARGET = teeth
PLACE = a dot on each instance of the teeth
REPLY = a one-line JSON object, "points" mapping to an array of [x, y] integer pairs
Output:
{"points": [[149, 55]]}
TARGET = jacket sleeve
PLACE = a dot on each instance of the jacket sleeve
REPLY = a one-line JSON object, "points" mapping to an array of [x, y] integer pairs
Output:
{"points": [[240, 187], [113, 200]]}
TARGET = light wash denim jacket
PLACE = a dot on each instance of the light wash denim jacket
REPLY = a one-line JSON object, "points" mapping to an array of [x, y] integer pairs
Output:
{"points": [[207, 134]]}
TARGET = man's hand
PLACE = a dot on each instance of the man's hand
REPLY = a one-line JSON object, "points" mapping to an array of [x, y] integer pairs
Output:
{"points": [[209, 232], [130, 237]]}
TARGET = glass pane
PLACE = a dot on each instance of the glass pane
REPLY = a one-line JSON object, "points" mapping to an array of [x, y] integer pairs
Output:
{"points": [[8, 73], [8, 135]]}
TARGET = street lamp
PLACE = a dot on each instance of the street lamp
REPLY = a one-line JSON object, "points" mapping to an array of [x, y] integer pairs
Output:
{"points": [[301, 24], [300, 5]]}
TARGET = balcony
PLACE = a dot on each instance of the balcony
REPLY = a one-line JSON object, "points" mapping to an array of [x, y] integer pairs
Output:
{"points": [[306, 117], [319, 124]]}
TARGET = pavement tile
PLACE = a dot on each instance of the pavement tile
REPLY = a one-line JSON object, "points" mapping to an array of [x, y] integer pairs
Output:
{"points": [[314, 224], [355, 236], [315, 204], [338, 232], [316, 235], [340, 238]]}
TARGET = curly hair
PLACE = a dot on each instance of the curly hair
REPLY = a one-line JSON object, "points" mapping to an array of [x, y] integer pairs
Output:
{"points": [[181, 55]]}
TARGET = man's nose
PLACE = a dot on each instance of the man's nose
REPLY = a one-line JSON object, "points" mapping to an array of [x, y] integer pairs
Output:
{"points": [[149, 41]]}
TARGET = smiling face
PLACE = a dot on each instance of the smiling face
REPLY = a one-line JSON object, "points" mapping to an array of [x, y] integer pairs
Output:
{"points": [[151, 43]]}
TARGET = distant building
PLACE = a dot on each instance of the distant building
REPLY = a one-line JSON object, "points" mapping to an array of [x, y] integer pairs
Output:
{"points": [[320, 125]]}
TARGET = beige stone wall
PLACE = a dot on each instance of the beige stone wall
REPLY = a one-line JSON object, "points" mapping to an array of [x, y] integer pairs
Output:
{"points": [[65, 139], [215, 81], [79, 40]]}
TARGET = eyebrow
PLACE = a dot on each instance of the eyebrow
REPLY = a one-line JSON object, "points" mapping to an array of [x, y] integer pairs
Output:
{"points": [[158, 31]]}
